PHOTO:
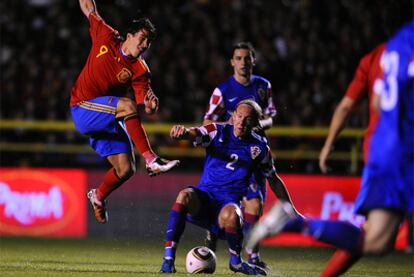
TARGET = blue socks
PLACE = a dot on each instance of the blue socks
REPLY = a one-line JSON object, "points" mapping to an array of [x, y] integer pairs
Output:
{"points": [[176, 225], [234, 239], [338, 233]]}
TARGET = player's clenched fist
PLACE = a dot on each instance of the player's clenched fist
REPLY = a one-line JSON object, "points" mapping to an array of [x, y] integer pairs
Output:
{"points": [[178, 132]]}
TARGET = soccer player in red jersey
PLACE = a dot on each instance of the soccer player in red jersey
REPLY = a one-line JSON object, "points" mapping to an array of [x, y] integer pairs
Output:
{"points": [[103, 107], [363, 83], [387, 189]]}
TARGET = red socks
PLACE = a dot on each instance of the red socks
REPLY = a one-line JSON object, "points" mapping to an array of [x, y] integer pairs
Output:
{"points": [[339, 263], [139, 137], [110, 182]]}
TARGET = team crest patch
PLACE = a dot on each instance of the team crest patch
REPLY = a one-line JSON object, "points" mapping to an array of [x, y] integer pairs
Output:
{"points": [[255, 151], [124, 75]]}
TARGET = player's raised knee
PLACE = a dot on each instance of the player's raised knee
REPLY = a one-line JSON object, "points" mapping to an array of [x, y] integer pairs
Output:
{"points": [[185, 196], [124, 171], [253, 206], [377, 248], [126, 107], [229, 216]]}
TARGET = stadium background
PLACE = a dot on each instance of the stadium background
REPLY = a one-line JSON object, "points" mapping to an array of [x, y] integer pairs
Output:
{"points": [[307, 49]]}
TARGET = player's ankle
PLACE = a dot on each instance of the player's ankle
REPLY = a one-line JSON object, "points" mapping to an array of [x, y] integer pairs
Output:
{"points": [[99, 196], [149, 157], [235, 260]]}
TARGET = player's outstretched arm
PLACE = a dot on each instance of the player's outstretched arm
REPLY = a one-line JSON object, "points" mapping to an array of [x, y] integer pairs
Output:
{"points": [[337, 125], [87, 6], [279, 189], [179, 132]]}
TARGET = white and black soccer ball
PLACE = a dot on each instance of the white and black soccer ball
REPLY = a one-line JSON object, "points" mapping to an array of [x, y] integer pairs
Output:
{"points": [[201, 259]]}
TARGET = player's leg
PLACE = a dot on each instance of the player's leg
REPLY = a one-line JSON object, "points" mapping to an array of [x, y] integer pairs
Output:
{"points": [[230, 220], [282, 218], [96, 118], [251, 212], [121, 171], [211, 240], [187, 201], [381, 230], [128, 110]]}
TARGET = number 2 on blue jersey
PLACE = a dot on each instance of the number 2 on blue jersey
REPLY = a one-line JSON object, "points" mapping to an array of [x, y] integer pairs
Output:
{"points": [[234, 159]]}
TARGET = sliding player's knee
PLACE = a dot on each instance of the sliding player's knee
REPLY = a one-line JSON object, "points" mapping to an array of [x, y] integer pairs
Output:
{"points": [[253, 206], [229, 217], [377, 246], [185, 197]]}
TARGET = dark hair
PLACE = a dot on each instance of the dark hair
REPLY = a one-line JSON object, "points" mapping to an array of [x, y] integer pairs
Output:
{"points": [[244, 45], [142, 23]]}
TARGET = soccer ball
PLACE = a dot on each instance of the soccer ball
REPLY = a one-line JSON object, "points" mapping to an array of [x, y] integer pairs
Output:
{"points": [[201, 259]]}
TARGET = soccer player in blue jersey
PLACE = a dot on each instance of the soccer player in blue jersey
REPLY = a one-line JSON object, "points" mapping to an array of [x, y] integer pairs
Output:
{"points": [[387, 191], [243, 84], [233, 153]]}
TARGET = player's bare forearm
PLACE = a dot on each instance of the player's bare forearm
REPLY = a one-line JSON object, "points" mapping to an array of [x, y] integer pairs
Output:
{"points": [[180, 132], [87, 6], [279, 189], [336, 126]]}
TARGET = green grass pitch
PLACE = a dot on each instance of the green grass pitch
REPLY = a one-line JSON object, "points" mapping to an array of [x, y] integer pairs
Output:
{"points": [[92, 257]]}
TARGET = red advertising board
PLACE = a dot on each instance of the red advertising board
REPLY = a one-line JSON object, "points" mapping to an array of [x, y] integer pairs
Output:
{"points": [[42, 202], [324, 197]]}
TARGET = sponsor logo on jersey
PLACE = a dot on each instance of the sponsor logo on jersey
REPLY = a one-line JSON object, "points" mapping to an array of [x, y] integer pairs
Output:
{"points": [[233, 99], [255, 151], [124, 75]]}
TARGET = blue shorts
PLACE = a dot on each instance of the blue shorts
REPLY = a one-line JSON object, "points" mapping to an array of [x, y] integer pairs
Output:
{"points": [[257, 187], [387, 187], [211, 205], [96, 119]]}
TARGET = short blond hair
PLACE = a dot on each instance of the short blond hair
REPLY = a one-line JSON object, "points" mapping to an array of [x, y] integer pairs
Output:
{"points": [[257, 110]]}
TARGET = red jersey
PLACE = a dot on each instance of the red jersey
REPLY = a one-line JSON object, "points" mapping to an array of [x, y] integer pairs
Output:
{"points": [[367, 72], [107, 71]]}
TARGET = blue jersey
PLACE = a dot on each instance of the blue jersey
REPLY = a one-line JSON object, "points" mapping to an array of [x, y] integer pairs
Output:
{"points": [[230, 161], [227, 95], [388, 178]]}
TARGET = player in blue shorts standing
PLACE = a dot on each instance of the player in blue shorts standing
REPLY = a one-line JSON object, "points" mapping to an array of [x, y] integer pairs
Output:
{"points": [[243, 84], [387, 191], [233, 153]]}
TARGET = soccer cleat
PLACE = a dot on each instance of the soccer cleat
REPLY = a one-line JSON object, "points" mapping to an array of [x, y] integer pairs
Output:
{"points": [[168, 266], [211, 241], [258, 263], [272, 224], [99, 207], [246, 268], [160, 165]]}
